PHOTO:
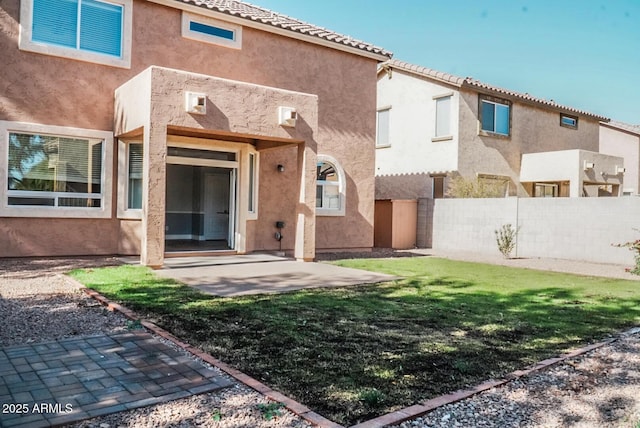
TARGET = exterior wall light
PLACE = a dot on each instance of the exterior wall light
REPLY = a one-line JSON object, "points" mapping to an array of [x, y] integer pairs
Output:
{"points": [[280, 168]]}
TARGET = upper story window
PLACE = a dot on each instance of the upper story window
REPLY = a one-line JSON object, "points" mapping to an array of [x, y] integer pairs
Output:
{"points": [[87, 30], [330, 187], [382, 127], [568, 121], [495, 115], [54, 171], [211, 30], [443, 116]]}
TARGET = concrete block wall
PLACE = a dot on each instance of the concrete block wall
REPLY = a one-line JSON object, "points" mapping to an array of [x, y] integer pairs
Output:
{"points": [[566, 228], [424, 229], [469, 224]]}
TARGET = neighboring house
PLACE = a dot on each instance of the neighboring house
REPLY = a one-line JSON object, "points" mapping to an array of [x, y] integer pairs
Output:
{"points": [[139, 127], [622, 139], [433, 126]]}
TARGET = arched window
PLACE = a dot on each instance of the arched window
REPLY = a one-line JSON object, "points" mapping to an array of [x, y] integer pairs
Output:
{"points": [[330, 188]]}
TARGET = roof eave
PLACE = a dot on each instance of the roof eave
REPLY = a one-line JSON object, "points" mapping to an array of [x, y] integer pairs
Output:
{"points": [[204, 10], [451, 82], [539, 103], [629, 130]]}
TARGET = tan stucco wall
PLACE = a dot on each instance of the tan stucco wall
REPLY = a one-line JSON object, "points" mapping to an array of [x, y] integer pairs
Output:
{"points": [[533, 130], [60, 91], [47, 237]]}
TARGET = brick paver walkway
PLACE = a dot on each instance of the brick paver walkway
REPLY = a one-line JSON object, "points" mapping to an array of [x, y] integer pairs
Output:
{"points": [[68, 380]]}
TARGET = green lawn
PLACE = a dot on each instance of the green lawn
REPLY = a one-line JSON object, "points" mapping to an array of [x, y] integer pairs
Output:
{"points": [[355, 353]]}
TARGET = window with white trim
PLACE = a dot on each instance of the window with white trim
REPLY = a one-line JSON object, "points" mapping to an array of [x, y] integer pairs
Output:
{"points": [[88, 30], [495, 115], [568, 121], [330, 187], [443, 116], [382, 127], [134, 176], [209, 30], [54, 171]]}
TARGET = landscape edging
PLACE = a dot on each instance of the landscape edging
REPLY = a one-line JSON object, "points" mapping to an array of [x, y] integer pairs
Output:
{"points": [[295, 407]]}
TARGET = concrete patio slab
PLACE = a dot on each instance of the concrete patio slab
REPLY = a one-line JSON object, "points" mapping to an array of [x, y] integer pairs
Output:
{"points": [[268, 275], [65, 381]]}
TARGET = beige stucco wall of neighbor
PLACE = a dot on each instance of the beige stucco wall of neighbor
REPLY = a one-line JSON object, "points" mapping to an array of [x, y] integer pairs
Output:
{"points": [[617, 142], [564, 228], [569, 165], [81, 94], [533, 130]]}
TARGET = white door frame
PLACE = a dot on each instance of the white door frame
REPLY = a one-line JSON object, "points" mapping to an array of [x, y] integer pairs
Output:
{"points": [[232, 166]]}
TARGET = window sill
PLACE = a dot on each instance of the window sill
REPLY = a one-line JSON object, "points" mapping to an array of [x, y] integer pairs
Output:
{"points": [[443, 138], [494, 135], [130, 214], [75, 54], [329, 213], [575, 128], [50, 212], [386, 146]]}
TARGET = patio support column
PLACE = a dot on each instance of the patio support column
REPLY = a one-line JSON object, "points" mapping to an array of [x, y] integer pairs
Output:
{"points": [[305, 243], [575, 187], [153, 195]]}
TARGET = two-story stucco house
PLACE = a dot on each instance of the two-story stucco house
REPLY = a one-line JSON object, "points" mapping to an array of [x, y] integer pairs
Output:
{"points": [[433, 126], [623, 140], [149, 126]]}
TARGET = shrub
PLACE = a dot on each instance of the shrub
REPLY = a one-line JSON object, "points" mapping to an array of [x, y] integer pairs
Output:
{"points": [[635, 247], [270, 410], [461, 187], [371, 397], [506, 239]]}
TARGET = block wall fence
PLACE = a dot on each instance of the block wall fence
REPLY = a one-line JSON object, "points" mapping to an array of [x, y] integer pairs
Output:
{"points": [[564, 228]]}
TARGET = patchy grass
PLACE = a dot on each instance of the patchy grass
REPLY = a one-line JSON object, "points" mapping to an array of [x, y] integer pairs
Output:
{"points": [[355, 353]]}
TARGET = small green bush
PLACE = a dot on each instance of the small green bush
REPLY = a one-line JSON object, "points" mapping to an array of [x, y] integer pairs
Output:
{"points": [[506, 239], [371, 397], [270, 410]]}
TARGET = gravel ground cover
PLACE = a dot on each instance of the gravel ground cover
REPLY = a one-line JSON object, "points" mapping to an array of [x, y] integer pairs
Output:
{"points": [[37, 304], [598, 389]]}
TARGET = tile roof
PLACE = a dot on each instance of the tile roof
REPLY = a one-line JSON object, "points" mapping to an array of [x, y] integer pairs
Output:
{"points": [[625, 126], [261, 15], [470, 82]]}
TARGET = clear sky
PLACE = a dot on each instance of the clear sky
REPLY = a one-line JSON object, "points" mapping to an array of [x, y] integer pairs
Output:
{"points": [[581, 53]]}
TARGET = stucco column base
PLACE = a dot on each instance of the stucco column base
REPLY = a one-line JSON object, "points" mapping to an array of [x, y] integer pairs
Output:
{"points": [[153, 195], [305, 242]]}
